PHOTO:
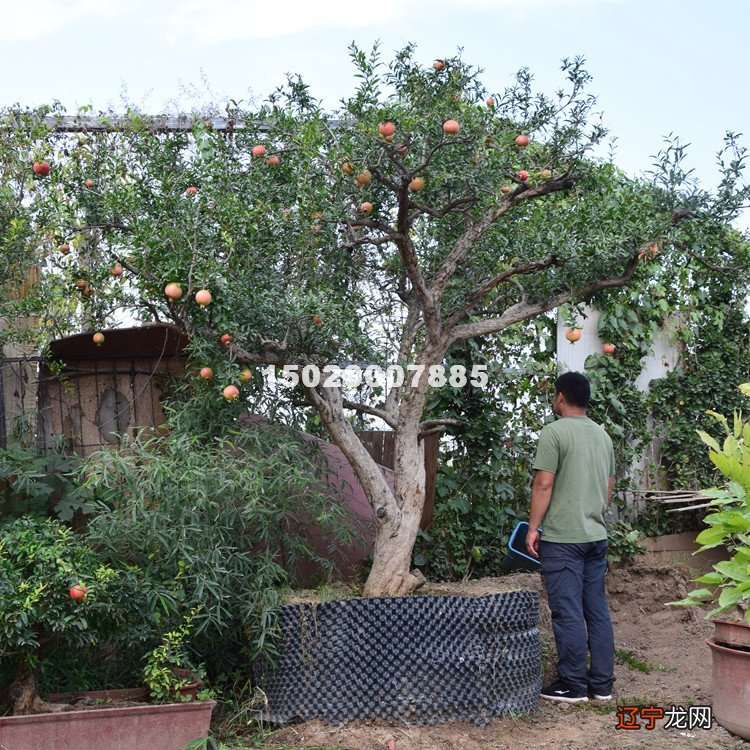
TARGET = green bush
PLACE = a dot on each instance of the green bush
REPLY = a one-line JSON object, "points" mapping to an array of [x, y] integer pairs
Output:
{"points": [[218, 520], [41, 561], [624, 542], [40, 483]]}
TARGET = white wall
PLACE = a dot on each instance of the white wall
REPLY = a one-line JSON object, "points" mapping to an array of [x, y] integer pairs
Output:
{"points": [[661, 360]]}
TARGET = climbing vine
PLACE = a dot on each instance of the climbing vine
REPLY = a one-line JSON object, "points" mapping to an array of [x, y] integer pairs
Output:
{"points": [[484, 476]]}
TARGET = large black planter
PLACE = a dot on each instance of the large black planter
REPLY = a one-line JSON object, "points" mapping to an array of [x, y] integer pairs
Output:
{"points": [[423, 659]]}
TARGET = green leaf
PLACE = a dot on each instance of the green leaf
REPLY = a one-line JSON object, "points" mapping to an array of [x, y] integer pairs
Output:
{"points": [[712, 578], [708, 440], [712, 537], [730, 596]]}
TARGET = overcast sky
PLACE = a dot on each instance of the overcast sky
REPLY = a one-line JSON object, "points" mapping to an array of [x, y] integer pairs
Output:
{"points": [[659, 67]]}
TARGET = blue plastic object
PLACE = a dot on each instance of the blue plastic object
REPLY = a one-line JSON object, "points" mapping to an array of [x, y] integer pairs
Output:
{"points": [[517, 558]]}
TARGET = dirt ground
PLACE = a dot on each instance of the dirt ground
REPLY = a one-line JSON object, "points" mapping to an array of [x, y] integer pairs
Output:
{"points": [[669, 643]]}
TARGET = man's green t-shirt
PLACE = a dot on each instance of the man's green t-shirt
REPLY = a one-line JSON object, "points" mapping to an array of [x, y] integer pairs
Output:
{"points": [[580, 454]]}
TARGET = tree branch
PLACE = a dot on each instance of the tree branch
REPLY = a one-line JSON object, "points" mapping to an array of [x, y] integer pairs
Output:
{"points": [[389, 419], [411, 265], [379, 175], [431, 424], [524, 310], [412, 324], [722, 271], [490, 284], [328, 404], [440, 213], [358, 242], [474, 232], [248, 358]]}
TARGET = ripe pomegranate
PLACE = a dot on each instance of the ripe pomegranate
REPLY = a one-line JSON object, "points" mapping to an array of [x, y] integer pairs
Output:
{"points": [[116, 270], [203, 297], [363, 178], [78, 592], [505, 189], [64, 248], [608, 348], [226, 339], [451, 127], [438, 65], [317, 320], [490, 102], [417, 184], [523, 175], [522, 141], [206, 373], [273, 160], [173, 290], [258, 150], [41, 168], [89, 183], [346, 166], [366, 207], [247, 375], [387, 129], [573, 335], [231, 392], [81, 283], [191, 191], [98, 338]]}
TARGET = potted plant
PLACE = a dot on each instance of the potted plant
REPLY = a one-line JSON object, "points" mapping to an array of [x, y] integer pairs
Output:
{"points": [[170, 674], [729, 527], [57, 592]]}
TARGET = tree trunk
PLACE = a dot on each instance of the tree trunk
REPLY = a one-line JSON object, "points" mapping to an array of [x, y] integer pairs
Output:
{"points": [[397, 515], [391, 573], [23, 693]]}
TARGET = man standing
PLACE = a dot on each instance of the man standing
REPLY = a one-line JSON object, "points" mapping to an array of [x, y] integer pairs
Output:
{"points": [[572, 487]]}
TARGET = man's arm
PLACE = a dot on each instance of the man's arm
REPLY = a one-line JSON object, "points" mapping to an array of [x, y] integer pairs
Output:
{"points": [[610, 488], [541, 493]]}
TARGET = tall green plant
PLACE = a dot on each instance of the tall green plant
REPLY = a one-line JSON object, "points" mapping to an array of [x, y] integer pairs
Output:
{"points": [[40, 483], [729, 524], [222, 520]]}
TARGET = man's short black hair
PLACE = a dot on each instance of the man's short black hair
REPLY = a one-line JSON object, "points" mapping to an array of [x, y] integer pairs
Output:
{"points": [[575, 387]]}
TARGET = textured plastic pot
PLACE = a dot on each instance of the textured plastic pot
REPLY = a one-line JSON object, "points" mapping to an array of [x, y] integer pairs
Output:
{"points": [[170, 726], [419, 659], [731, 687]]}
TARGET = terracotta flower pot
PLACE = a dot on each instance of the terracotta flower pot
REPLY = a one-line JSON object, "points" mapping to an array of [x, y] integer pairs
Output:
{"points": [[194, 684], [731, 688], [731, 633]]}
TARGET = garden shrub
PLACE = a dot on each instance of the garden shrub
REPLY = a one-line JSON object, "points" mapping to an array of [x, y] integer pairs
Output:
{"points": [[58, 593], [220, 520]]}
